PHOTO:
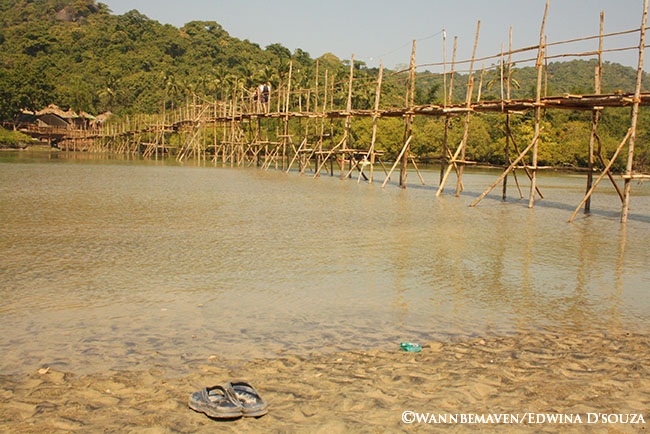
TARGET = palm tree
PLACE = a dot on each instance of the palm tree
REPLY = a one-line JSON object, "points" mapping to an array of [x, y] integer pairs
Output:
{"points": [[109, 92], [219, 81], [172, 87], [268, 75], [497, 79]]}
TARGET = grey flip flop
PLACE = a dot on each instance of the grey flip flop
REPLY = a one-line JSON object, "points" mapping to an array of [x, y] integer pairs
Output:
{"points": [[252, 404], [215, 402]]}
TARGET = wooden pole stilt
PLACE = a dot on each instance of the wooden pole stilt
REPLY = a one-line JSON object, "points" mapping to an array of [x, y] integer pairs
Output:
{"points": [[506, 83], [319, 146], [370, 156], [595, 114], [444, 67], [461, 150], [629, 168], [348, 120], [470, 91], [285, 125], [446, 152], [538, 108], [397, 160], [408, 120], [626, 139]]}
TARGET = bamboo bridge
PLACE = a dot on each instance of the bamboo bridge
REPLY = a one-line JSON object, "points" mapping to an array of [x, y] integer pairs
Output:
{"points": [[245, 131]]}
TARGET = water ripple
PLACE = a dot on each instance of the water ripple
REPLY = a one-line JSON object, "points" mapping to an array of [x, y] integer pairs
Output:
{"points": [[114, 265]]}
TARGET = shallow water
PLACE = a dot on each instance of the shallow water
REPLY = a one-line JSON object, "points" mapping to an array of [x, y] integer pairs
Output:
{"points": [[124, 264]]}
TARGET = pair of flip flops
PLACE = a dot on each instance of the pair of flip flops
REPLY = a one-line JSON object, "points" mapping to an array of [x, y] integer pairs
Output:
{"points": [[229, 401]]}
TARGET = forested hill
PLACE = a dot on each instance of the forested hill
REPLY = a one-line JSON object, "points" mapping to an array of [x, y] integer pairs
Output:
{"points": [[77, 54]]}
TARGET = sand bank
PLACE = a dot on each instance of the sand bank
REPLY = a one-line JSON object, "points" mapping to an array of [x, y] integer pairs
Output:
{"points": [[554, 373]]}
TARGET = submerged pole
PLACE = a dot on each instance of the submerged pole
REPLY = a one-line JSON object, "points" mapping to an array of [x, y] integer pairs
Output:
{"points": [[596, 111], [635, 115], [408, 127], [538, 108], [348, 120]]}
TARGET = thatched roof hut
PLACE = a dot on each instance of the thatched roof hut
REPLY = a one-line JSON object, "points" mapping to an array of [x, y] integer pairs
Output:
{"points": [[53, 116]]}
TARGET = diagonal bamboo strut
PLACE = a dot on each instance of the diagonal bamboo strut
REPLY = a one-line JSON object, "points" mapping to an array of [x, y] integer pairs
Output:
{"points": [[448, 155], [397, 160], [599, 154], [509, 169], [271, 157], [357, 164], [364, 162], [296, 154], [319, 146], [602, 175], [189, 145], [329, 154], [417, 169], [449, 169], [526, 169], [197, 125], [254, 158]]}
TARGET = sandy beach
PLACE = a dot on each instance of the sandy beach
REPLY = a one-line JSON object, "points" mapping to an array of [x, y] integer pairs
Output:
{"points": [[540, 373]]}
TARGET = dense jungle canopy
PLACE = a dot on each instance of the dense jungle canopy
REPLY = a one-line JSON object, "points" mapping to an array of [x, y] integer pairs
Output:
{"points": [[77, 54]]}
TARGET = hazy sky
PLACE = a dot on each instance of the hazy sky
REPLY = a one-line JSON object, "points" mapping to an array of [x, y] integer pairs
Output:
{"points": [[385, 29]]}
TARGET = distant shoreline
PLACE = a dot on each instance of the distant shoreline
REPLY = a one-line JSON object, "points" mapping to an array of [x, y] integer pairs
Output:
{"points": [[430, 164]]}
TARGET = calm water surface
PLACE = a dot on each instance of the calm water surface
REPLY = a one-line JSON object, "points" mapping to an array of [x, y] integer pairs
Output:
{"points": [[131, 264]]}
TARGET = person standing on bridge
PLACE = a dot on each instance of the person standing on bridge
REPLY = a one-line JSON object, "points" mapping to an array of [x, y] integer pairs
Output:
{"points": [[264, 92]]}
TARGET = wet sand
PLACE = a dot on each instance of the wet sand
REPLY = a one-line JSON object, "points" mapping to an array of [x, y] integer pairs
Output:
{"points": [[560, 372]]}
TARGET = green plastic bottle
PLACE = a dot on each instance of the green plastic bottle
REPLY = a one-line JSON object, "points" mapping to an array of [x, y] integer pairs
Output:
{"points": [[411, 347]]}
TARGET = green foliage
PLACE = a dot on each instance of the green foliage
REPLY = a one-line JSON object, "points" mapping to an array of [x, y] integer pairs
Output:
{"points": [[13, 139]]}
